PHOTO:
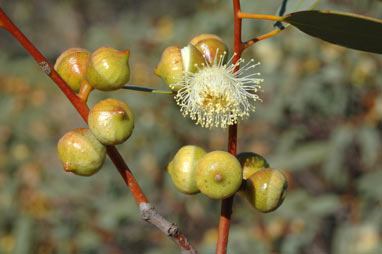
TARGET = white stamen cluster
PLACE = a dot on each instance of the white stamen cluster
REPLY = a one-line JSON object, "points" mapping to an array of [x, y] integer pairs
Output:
{"points": [[216, 95]]}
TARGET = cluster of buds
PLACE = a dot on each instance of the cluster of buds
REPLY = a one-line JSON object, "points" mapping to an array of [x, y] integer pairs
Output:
{"points": [[105, 69], [219, 175], [111, 122], [207, 87]]}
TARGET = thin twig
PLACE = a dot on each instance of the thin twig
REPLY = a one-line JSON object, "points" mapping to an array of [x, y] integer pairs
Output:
{"points": [[261, 37], [243, 15], [172, 231], [147, 89], [112, 152]]}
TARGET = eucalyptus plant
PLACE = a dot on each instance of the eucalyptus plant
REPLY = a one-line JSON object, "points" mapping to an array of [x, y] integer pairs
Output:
{"points": [[213, 86]]}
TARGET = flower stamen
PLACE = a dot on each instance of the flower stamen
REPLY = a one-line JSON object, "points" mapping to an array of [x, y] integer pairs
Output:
{"points": [[216, 95]]}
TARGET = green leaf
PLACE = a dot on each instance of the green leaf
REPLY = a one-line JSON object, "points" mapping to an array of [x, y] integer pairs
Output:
{"points": [[348, 30], [289, 6]]}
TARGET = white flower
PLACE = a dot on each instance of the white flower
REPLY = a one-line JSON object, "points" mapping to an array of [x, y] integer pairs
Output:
{"points": [[216, 95]]}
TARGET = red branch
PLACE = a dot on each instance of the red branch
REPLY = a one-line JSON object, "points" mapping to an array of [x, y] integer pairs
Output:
{"points": [[226, 207], [149, 214]]}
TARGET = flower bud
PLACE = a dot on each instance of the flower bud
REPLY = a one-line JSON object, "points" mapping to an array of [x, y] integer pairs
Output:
{"points": [[71, 66], [183, 168], [251, 163], [218, 175], [266, 189], [212, 47], [80, 152], [108, 69], [175, 62], [111, 121]]}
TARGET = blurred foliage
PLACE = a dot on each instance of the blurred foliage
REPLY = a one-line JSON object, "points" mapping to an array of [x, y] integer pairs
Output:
{"points": [[320, 122]]}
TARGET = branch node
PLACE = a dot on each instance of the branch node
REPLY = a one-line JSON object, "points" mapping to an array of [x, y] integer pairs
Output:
{"points": [[173, 230], [150, 215], [45, 67], [147, 210]]}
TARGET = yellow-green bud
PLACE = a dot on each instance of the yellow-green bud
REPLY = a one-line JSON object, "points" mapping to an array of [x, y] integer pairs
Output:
{"points": [[111, 121], [251, 163], [80, 152], [183, 168], [108, 69], [71, 66], [218, 175], [266, 189]]}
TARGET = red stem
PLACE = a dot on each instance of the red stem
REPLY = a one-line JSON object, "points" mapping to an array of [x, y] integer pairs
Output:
{"points": [[83, 110], [226, 207]]}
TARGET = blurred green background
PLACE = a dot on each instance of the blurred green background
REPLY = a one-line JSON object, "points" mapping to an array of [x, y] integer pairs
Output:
{"points": [[320, 122]]}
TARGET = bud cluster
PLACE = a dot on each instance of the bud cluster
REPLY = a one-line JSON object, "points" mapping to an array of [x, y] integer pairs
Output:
{"points": [[111, 122], [219, 175], [207, 87], [105, 69]]}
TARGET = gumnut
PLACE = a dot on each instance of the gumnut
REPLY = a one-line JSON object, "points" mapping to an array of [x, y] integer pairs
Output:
{"points": [[111, 121], [251, 163], [108, 69], [202, 37], [80, 152], [182, 168], [266, 189], [218, 175], [175, 63], [212, 47], [71, 65]]}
